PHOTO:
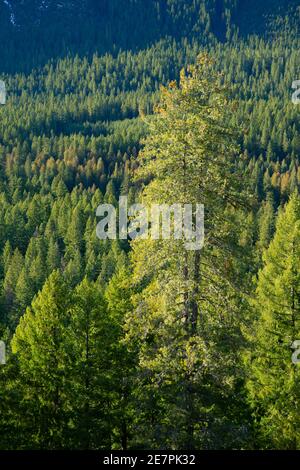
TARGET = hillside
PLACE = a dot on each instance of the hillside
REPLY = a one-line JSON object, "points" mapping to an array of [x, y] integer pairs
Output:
{"points": [[33, 32]]}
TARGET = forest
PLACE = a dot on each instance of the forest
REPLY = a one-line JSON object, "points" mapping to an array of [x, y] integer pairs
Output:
{"points": [[140, 344]]}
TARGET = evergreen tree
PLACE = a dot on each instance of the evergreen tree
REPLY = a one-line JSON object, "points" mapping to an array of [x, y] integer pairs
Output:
{"points": [[41, 345], [274, 380], [118, 297], [91, 387]]}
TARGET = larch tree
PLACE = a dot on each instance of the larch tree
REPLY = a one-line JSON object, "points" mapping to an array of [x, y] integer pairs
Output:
{"points": [[185, 320]]}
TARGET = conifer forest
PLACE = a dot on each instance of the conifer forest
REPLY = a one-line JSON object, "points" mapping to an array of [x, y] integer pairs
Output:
{"points": [[118, 342]]}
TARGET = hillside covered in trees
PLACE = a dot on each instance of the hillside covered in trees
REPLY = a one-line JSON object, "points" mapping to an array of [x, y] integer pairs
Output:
{"points": [[140, 344]]}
